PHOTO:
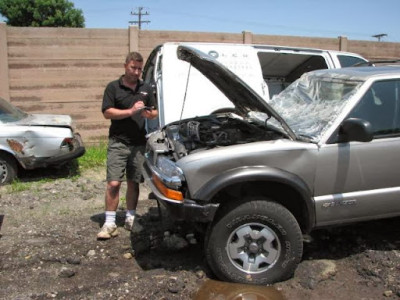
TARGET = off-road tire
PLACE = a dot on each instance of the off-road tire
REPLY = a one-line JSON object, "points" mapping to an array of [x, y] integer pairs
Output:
{"points": [[261, 232]]}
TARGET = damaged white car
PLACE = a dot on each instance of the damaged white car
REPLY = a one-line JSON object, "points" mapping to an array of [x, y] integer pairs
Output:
{"points": [[32, 141], [255, 178]]}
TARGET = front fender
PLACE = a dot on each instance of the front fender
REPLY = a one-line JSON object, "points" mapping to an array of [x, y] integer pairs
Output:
{"points": [[12, 153], [6, 149], [258, 173]]}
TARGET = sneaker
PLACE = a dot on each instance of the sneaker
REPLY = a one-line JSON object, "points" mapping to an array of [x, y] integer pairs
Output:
{"points": [[129, 222], [107, 231]]}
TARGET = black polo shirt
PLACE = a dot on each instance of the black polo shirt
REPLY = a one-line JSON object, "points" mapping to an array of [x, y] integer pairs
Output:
{"points": [[131, 130]]}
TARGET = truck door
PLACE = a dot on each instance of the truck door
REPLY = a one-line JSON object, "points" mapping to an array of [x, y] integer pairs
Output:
{"points": [[152, 76]]}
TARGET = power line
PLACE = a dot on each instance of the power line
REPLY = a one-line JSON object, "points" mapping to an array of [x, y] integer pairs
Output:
{"points": [[139, 13]]}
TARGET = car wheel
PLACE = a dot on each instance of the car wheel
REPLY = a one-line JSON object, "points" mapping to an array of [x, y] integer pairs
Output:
{"points": [[8, 168], [256, 242]]}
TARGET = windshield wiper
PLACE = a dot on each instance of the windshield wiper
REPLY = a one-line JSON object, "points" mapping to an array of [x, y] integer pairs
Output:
{"points": [[305, 137]]}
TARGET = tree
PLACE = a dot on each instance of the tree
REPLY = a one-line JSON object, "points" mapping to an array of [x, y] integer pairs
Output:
{"points": [[41, 13]]}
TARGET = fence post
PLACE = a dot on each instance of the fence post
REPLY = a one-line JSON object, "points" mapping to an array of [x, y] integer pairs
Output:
{"points": [[247, 37], [4, 77], [343, 43], [133, 38]]}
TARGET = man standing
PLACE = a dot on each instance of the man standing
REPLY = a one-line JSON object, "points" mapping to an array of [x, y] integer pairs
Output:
{"points": [[127, 102]]}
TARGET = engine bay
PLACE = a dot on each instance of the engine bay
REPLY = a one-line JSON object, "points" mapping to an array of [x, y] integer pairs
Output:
{"points": [[212, 131]]}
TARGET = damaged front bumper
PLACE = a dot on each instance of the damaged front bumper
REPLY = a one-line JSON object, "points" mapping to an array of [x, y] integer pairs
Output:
{"points": [[183, 210]]}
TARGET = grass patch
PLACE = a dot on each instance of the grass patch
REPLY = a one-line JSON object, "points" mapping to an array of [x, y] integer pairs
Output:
{"points": [[95, 156], [19, 186]]}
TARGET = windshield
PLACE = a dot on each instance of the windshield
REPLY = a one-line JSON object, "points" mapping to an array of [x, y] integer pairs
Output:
{"points": [[9, 113], [312, 103]]}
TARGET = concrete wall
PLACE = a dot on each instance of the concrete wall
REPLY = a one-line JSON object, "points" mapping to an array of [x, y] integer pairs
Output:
{"points": [[65, 70]]}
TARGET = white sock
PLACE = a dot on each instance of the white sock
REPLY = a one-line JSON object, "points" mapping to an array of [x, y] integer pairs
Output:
{"points": [[130, 213], [110, 217]]}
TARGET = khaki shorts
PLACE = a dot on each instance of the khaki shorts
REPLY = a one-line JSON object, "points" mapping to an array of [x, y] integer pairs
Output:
{"points": [[124, 160]]}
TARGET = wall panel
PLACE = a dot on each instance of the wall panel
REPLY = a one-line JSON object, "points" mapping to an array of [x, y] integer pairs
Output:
{"points": [[65, 70]]}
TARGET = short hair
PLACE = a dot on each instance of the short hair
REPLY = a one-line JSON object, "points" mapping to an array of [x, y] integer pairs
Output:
{"points": [[134, 56]]}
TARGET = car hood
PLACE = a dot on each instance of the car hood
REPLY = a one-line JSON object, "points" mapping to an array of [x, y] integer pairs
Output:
{"points": [[244, 98], [46, 120]]}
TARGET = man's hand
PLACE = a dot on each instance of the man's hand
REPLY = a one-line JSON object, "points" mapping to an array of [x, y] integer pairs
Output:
{"points": [[149, 112], [137, 107], [118, 114]]}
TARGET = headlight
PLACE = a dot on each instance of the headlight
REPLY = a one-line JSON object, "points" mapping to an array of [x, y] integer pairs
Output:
{"points": [[166, 191], [169, 169], [168, 178]]}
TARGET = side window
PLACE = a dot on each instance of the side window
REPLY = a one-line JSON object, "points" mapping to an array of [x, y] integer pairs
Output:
{"points": [[348, 61], [380, 107]]}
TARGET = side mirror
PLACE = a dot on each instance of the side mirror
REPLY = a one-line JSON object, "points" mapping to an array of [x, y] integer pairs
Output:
{"points": [[354, 129]]}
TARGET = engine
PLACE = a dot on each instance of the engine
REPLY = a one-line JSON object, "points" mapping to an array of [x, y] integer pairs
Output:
{"points": [[212, 131]]}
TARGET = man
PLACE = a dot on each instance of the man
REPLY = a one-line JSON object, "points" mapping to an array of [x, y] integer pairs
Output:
{"points": [[127, 102]]}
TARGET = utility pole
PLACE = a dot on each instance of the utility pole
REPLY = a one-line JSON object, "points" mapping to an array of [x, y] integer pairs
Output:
{"points": [[379, 36], [139, 13]]}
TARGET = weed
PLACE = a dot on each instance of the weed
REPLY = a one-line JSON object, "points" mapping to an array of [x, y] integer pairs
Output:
{"points": [[122, 201], [18, 186]]}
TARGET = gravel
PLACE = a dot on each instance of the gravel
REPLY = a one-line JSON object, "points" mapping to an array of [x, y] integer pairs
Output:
{"points": [[49, 250]]}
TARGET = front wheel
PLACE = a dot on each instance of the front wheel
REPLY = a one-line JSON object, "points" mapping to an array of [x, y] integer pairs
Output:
{"points": [[256, 242], [8, 168]]}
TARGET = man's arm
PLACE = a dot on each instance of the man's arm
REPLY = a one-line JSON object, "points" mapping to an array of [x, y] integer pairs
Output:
{"points": [[119, 114]]}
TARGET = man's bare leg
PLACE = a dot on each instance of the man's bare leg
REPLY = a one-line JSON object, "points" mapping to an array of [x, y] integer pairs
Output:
{"points": [[112, 195], [109, 228], [132, 197]]}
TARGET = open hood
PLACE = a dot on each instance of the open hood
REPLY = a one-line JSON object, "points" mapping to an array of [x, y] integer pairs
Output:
{"points": [[244, 98]]}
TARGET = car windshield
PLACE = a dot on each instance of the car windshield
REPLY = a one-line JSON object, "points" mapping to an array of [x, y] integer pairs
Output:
{"points": [[312, 103], [10, 113]]}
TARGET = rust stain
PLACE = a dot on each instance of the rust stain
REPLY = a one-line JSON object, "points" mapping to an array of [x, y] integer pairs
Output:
{"points": [[92, 126], [40, 108], [50, 86], [16, 146], [78, 116], [52, 65], [24, 99]]}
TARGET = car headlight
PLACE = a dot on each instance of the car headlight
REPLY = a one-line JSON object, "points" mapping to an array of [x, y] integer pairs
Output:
{"points": [[169, 171], [167, 177]]}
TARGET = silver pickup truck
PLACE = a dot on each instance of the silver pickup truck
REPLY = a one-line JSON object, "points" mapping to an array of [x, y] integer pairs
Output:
{"points": [[256, 178]]}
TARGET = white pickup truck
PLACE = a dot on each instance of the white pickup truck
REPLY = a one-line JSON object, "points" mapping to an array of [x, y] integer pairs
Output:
{"points": [[267, 69]]}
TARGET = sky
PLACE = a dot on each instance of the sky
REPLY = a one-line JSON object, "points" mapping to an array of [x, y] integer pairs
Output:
{"points": [[354, 19]]}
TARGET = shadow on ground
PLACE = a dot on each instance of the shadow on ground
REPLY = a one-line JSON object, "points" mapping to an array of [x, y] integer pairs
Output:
{"points": [[66, 170], [341, 242], [158, 243]]}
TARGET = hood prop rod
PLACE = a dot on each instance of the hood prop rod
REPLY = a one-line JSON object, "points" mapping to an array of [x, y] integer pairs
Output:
{"points": [[186, 89]]}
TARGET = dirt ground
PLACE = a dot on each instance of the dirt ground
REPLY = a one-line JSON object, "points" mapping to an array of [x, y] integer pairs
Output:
{"points": [[48, 250]]}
